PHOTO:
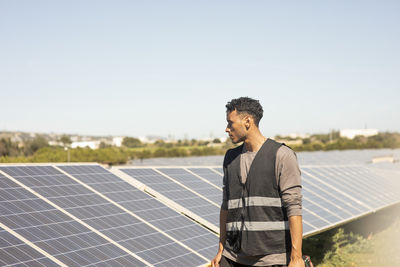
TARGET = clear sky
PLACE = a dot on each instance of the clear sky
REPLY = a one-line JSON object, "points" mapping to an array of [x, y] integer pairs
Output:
{"points": [[169, 67]]}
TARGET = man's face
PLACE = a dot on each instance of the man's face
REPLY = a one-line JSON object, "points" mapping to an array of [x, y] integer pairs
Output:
{"points": [[236, 127]]}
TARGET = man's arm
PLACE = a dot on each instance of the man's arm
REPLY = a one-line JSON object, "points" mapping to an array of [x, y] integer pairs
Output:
{"points": [[296, 234], [222, 237], [289, 180]]}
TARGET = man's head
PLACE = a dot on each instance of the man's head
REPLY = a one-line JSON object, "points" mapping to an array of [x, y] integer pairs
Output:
{"points": [[243, 115]]}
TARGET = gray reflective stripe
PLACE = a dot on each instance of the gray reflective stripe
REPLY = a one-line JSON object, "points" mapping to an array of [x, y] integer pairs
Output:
{"points": [[258, 226], [255, 201]]}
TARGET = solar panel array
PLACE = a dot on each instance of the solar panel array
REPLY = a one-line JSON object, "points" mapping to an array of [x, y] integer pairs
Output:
{"points": [[147, 209], [50, 229], [336, 157], [332, 195], [14, 251], [184, 189], [84, 214]]}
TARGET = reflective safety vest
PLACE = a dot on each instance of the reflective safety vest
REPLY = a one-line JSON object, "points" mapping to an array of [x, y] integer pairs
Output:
{"points": [[257, 223]]}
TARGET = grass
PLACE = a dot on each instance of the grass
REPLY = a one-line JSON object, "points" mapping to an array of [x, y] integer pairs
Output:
{"points": [[370, 241]]}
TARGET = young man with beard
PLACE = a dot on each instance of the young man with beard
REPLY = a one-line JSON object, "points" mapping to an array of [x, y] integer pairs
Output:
{"points": [[260, 218]]}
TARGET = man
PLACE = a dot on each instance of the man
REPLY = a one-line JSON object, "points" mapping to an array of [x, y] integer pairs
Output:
{"points": [[260, 217]]}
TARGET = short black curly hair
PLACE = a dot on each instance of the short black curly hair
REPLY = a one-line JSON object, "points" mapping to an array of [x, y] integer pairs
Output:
{"points": [[246, 105]]}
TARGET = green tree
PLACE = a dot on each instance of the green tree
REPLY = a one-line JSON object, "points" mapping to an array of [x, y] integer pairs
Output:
{"points": [[35, 144], [8, 148], [216, 141], [132, 142], [160, 152], [144, 154], [66, 140]]}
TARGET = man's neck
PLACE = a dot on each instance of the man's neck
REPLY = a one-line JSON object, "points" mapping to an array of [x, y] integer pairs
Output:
{"points": [[254, 141]]}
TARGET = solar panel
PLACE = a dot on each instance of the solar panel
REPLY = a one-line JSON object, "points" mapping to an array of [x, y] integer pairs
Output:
{"points": [[14, 252], [346, 192], [51, 229], [352, 185], [181, 195], [332, 195], [195, 182], [336, 157], [210, 175], [344, 157], [86, 215], [151, 210], [110, 220]]}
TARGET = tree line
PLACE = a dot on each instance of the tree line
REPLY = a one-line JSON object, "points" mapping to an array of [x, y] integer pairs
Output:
{"points": [[333, 141], [38, 149]]}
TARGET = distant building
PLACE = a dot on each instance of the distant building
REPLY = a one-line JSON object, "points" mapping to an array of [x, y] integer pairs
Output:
{"points": [[351, 133], [90, 144], [55, 143], [117, 141], [298, 135]]}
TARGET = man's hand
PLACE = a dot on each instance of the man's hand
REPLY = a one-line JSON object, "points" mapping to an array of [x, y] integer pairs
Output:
{"points": [[216, 260]]}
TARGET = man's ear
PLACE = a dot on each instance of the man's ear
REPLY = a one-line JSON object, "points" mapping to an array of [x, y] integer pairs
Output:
{"points": [[247, 122]]}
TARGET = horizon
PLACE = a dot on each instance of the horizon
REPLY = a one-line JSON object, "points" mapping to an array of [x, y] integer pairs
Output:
{"points": [[299, 135]]}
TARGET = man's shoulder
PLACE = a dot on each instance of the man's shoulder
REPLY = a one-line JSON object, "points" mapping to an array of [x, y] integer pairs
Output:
{"points": [[285, 153], [232, 153], [235, 149], [285, 149]]}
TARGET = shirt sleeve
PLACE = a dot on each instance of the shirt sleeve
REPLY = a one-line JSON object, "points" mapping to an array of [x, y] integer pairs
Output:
{"points": [[289, 180]]}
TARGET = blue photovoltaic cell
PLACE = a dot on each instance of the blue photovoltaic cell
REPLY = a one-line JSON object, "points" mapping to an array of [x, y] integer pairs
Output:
{"points": [[52, 230], [314, 220], [346, 202], [176, 192], [324, 214], [381, 185], [14, 252], [107, 218], [347, 206], [330, 199], [326, 210], [308, 228], [342, 181], [346, 191], [341, 157], [195, 183], [210, 175], [220, 170], [362, 184], [171, 222]]}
